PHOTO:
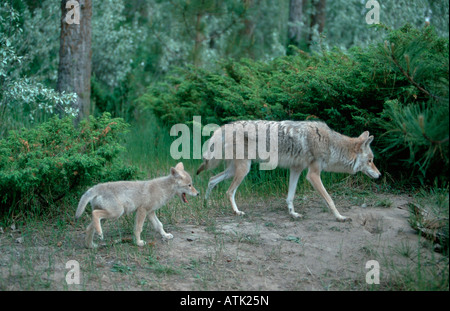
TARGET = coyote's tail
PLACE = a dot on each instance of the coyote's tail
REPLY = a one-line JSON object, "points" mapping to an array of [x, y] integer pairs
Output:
{"points": [[208, 165], [85, 199], [210, 158]]}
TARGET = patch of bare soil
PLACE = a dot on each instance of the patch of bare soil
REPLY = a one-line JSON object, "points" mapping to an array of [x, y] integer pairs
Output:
{"points": [[264, 250], [268, 250]]}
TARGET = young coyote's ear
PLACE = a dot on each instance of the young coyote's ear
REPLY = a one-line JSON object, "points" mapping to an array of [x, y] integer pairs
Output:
{"points": [[179, 166], [174, 170]]}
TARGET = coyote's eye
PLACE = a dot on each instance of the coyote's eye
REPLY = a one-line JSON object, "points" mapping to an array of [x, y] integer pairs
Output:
{"points": [[189, 185]]}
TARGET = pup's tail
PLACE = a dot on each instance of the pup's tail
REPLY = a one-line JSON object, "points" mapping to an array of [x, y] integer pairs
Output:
{"points": [[85, 199]]}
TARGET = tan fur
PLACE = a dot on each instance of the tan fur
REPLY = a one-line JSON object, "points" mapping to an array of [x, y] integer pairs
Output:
{"points": [[302, 144], [114, 199]]}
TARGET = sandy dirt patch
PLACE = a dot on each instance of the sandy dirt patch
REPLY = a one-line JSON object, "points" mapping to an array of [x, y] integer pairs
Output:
{"points": [[264, 250]]}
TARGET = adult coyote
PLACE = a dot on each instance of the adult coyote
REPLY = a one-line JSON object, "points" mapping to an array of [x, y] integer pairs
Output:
{"points": [[300, 145]]}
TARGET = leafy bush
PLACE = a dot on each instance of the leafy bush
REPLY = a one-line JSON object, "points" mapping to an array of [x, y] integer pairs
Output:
{"points": [[23, 99], [293, 87], [416, 124], [41, 166], [346, 89]]}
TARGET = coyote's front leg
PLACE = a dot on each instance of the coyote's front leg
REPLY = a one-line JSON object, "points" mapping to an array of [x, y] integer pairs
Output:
{"points": [[159, 226], [140, 218], [313, 177]]}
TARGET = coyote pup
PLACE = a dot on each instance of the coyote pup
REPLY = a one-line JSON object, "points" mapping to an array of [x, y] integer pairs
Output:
{"points": [[300, 145], [113, 199]]}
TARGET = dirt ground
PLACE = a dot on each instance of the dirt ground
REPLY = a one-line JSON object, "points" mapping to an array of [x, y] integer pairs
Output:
{"points": [[264, 250]]}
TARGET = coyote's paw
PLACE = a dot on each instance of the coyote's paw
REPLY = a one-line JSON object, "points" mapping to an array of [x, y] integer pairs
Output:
{"points": [[91, 245], [239, 213], [168, 236], [141, 243], [296, 215], [343, 219]]}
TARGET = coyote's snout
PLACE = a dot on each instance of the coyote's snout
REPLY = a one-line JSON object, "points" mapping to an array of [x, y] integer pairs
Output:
{"points": [[114, 199], [304, 144]]}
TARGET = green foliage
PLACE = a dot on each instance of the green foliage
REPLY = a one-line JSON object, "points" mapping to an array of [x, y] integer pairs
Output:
{"points": [[23, 99], [38, 40], [110, 30], [334, 86], [416, 123], [417, 134], [111, 69], [53, 161], [346, 89], [349, 27]]}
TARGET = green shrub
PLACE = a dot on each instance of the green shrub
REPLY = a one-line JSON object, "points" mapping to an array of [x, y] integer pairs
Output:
{"points": [[416, 124], [350, 90], [345, 89], [55, 161], [23, 99]]}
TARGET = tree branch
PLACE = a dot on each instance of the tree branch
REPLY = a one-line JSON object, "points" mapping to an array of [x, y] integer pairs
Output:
{"points": [[437, 142], [406, 73]]}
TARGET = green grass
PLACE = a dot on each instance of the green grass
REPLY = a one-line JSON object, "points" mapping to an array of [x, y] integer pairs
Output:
{"points": [[158, 268], [420, 271]]}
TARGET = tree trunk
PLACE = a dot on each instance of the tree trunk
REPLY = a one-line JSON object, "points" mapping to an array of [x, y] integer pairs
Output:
{"points": [[295, 17], [74, 72], [318, 16], [196, 53]]}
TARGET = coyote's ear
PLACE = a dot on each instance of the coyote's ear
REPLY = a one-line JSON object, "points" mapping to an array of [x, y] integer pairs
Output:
{"points": [[174, 172], [368, 141], [364, 136], [364, 140], [179, 166]]}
